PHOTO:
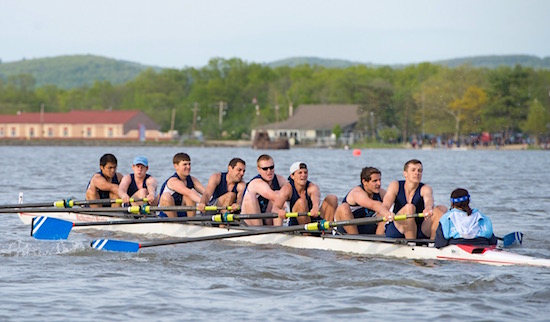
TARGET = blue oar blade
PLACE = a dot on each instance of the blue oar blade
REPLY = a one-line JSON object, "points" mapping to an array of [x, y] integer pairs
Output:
{"points": [[50, 228], [115, 245], [515, 238]]}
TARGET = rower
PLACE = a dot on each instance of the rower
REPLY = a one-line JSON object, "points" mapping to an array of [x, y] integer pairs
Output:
{"points": [[411, 196], [225, 189], [261, 191], [364, 200], [138, 184], [181, 189], [303, 196], [104, 183], [464, 225]]}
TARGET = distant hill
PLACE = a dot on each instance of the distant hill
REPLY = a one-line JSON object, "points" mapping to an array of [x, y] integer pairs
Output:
{"points": [[325, 62], [74, 71], [496, 61], [476, 61], [80, 70]]}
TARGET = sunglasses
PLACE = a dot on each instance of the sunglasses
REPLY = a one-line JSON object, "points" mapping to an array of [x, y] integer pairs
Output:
{"points": [[268, 168]]}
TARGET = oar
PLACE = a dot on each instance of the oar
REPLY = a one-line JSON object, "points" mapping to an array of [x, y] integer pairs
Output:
{"points": [[69, 203], [514, 238], [144, 209], [51, 228], [127, 246]]}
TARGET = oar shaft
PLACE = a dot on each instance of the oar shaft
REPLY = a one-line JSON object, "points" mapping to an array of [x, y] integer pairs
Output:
{"points": [[58, 210], [143, 221], [69, 203], [233, 217], [326, 225], [223, 236], [214, 218], [149, 209]]}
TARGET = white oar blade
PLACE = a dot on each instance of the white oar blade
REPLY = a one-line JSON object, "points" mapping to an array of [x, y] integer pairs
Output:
{"points": [[115, 245], [50, 228]]}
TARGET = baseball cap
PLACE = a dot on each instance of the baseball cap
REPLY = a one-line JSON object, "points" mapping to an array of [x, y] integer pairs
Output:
{"points": [[297, 166], [141, 160]]}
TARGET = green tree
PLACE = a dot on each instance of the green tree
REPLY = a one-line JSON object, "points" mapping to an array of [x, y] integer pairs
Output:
{"points": [[508, 94], [465, 110], [538, 121]]}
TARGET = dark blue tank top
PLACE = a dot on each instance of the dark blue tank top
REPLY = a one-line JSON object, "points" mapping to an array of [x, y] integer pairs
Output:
{"points": [[133, 186], [176, 195], [363, 212], [417, 200], [221, 189], [295, 196], [104, 194]]}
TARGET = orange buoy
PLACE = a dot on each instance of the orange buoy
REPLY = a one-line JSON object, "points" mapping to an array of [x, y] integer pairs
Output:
{"points": [[356, 152]]}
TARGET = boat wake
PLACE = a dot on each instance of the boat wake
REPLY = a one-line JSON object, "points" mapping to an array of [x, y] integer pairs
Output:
{"points": [[24, 249]]}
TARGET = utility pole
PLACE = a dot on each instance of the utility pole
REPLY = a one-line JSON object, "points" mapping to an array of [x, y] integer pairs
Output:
{"points": [[220, 117], [195, 110], [41, 120], [173, 120]]}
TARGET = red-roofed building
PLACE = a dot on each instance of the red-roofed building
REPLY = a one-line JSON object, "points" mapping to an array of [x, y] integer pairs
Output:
{"points": [[94, 125]]}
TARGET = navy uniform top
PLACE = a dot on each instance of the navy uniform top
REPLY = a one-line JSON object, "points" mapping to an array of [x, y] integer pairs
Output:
{"points": [[178, 198], [295, 196], [104, 194], [400, 202], [221, 189], [417, 200], [362, 212], [133, 188], [262, 201]]}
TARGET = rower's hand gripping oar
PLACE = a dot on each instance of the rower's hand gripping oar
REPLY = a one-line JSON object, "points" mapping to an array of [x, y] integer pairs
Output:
{"points": [[323, 225], [51, 228]]}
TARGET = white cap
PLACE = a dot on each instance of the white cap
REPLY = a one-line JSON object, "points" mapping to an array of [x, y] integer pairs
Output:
{"points": [[297, 166]]}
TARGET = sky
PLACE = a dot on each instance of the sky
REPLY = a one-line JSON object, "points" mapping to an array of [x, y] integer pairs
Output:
{"points": [[182, 33]]}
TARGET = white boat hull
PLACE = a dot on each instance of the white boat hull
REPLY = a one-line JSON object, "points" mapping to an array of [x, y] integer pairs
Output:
{"points": [[350, 244]]}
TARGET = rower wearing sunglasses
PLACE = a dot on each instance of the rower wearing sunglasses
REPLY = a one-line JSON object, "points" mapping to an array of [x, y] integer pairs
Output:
{"points": [[261, 191]]}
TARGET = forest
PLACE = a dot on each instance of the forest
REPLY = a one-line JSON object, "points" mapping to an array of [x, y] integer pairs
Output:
{"points": [[395, 103]]}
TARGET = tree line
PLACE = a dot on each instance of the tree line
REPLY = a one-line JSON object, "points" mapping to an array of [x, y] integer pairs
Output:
{"points": [[228, 97]]}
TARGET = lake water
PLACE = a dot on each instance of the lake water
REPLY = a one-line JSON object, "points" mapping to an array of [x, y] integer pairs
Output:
{"points": [[68, 281]]}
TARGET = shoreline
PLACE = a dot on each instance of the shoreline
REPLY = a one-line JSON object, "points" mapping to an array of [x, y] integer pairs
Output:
{"points": [[245, 144]]}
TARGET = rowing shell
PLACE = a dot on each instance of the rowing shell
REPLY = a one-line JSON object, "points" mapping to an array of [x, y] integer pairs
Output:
{"points": [[368, 245]]}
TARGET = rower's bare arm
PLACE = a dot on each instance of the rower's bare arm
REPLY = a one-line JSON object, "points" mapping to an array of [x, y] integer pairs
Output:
{"points": [[198, 185], [152, 186], [390, 195], [427, 195], [279, 205], [315, 194], [101, 183], [213, 182], [123, 188], [180, 187], [263, 189], [282, 180], [240, 191]]}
